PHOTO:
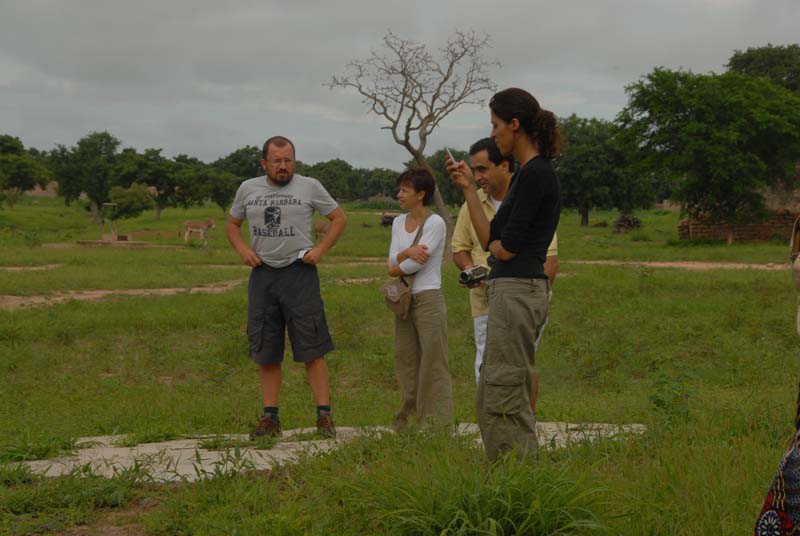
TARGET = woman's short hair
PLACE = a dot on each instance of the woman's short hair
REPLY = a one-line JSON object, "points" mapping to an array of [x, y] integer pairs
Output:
{"points": [[539, 124], [421, 180]]}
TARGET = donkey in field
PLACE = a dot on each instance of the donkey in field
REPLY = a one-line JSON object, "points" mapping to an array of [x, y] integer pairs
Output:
{"points": [[191, 227]]}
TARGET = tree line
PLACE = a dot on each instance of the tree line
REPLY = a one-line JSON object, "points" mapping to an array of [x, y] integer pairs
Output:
{"points": [[710, 141], [96, 169]]}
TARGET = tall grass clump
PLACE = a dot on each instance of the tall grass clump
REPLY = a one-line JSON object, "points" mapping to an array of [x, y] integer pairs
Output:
{"points": [[510, 497], [28, 446], [434, 483]]}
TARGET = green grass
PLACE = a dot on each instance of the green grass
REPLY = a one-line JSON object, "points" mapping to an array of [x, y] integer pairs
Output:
{"points": [[706, 359], [35, 505]]}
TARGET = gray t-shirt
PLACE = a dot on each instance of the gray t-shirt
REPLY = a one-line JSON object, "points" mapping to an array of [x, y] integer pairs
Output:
{"points": [[279, 217]]}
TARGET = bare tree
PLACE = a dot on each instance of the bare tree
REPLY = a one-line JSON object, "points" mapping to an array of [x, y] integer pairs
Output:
{"points": [[414, 91]]}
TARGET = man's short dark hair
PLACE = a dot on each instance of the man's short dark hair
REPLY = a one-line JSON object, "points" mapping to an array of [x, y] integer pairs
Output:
{"points": [[421, 180], [277, 141], [495, 156]]}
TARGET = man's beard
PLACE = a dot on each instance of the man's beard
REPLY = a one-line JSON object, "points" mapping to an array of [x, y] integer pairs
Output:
{"points": [[281, 179]]}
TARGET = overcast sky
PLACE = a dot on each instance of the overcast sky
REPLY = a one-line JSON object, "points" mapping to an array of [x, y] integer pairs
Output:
{"points": [[205, 77]]}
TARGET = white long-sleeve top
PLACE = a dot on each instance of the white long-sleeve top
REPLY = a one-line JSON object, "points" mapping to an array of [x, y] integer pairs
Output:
{"points": [[429, 275]]}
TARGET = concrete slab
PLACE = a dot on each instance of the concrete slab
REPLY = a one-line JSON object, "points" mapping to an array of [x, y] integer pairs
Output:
{"points": [[185, 460]]}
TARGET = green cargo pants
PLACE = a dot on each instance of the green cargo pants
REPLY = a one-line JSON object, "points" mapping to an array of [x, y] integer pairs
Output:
{"points": [[517, 313], [423, 373]]}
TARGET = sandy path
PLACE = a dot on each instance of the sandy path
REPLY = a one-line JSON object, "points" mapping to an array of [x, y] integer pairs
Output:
{"points": [[358, 280], [37, 268], [689, 265], [9, 302]]}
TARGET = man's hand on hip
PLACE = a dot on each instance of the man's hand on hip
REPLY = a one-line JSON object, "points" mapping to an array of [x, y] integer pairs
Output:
{"points": [[249, 257], [313, 256]]}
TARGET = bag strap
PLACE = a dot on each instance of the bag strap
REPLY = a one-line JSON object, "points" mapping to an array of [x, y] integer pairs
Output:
{"points": [[409, 279], [419, 231]]}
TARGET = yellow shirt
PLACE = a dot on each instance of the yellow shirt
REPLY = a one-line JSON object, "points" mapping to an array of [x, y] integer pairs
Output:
{"points": [[465, 239]]}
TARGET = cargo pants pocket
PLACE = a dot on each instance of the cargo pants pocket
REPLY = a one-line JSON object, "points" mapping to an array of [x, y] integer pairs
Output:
{"points": [[505, 388]]}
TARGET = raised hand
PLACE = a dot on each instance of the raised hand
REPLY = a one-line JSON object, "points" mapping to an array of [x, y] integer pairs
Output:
{"points": [[460, 173]]}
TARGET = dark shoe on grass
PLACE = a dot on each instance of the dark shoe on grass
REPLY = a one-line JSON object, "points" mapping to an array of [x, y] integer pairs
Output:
{"points": [[325, 425], [267, 426]]}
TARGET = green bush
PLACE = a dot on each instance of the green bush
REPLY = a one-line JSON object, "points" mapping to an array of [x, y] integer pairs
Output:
{"points": [[131, 202]]}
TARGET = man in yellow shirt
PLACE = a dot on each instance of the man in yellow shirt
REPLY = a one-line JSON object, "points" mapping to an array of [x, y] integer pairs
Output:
{"points": [[493, 173]]}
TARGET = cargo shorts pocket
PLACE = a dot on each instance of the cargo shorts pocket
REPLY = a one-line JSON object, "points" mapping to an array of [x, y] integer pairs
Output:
{"points": [[504, 393], [255, 331], [307, 328]]}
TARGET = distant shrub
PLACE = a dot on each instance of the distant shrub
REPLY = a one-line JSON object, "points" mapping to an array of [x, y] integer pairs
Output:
{"points": [[131, 202], [627, 223]]}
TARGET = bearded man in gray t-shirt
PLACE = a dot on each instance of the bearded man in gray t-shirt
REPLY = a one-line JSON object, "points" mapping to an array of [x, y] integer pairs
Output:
{"points": [[283, 293]]}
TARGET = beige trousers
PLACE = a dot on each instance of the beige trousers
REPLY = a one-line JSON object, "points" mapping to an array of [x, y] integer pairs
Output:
{"points": [[421, 365], [517, 314]]}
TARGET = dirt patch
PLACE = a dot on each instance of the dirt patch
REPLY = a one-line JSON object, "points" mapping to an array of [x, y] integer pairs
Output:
{"points": [[358, 280], [15, 302], [38, 268], [115, 523], [126, 244], [691, 265], [151, 234], [109, 244]]}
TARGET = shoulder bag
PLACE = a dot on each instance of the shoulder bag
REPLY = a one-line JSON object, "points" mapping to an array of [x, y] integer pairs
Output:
{"points": [[398, 291]]}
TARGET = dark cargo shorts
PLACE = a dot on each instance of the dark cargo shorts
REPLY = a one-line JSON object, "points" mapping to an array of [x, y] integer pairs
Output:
{"points": [[281, 299]]}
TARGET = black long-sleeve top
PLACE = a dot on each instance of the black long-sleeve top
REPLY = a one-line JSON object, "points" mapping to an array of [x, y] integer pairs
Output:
{"points": [[527, 219]]}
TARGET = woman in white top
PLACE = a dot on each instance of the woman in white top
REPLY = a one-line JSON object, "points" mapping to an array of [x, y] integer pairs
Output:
{"points": [[421, 340]]}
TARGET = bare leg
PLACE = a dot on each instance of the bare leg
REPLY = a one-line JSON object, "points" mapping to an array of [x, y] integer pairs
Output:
{"points": [[317, 371], [270, 376]]}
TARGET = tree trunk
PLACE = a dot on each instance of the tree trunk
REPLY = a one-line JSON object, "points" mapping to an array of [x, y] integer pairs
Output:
{"points": [[97, 217], [584, 212], [158, 212], [441, 209]]}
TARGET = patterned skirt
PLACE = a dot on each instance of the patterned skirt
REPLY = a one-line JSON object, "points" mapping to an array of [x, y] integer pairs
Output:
{"points": [[780, 515]]}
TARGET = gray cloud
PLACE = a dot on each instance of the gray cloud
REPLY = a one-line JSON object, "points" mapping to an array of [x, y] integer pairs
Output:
{"points": [[203, 77]]}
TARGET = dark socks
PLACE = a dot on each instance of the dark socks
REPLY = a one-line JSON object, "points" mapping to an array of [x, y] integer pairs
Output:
{"points": [[323, 408], [272, 411]]}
